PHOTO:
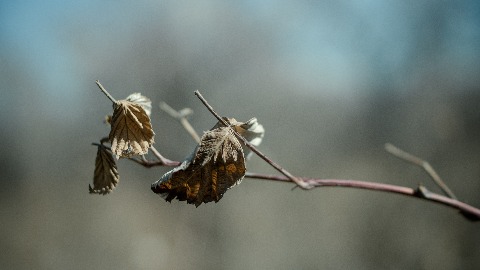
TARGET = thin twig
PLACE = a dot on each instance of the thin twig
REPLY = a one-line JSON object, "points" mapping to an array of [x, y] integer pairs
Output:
{"points": [[182, 117], [399, 153], [468, 211], [105, 91], [294, 179], [162, 159], [148, 164]]}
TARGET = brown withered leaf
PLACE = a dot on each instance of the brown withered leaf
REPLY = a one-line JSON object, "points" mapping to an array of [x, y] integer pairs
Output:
{"points": [[251, 130], [131, 131], [105, 177], [216, 165]]}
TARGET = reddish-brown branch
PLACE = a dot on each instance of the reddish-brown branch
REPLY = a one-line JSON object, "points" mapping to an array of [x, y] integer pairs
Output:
{"points": [[338, 183], [162, 159], [467, 210]]}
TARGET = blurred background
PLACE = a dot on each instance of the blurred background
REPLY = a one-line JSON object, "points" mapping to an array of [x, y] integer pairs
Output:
{"points": [[331, 81]]}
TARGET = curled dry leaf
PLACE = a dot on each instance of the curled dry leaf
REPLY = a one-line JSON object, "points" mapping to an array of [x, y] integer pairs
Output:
{"points": [[216, 165], [106, 176], [141, 100], [131, 131], [251, 130]]}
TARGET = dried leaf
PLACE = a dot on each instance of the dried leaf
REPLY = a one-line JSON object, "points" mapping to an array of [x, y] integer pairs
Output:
{"points": [[106, 176], [251, 130], [131, 131], [143, 101], [216, 165], [138, 98]]}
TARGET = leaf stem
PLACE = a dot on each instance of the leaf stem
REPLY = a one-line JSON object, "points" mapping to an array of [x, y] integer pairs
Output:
{"points": [[105, 91], [298, 181]]}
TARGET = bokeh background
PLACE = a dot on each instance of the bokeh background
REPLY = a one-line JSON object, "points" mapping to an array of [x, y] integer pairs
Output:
{"points": [[331, 81]]}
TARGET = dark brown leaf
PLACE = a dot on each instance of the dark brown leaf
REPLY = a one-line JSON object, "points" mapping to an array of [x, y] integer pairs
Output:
{"points": [[106, 176], [131, 131], [216, 165]]}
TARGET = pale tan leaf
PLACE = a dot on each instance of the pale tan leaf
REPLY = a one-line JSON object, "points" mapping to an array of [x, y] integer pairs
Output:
{"points": [[143, 101], [105, 177], [131, 131], [138, 98], [216, 165], [251, 130]]}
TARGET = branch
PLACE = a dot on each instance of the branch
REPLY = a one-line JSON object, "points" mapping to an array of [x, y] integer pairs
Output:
{"points": [[162, 159], [421, 192], [148, 163], [298, 181], [182, 117], [468, 211], [105, 91], [399, 153]]}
